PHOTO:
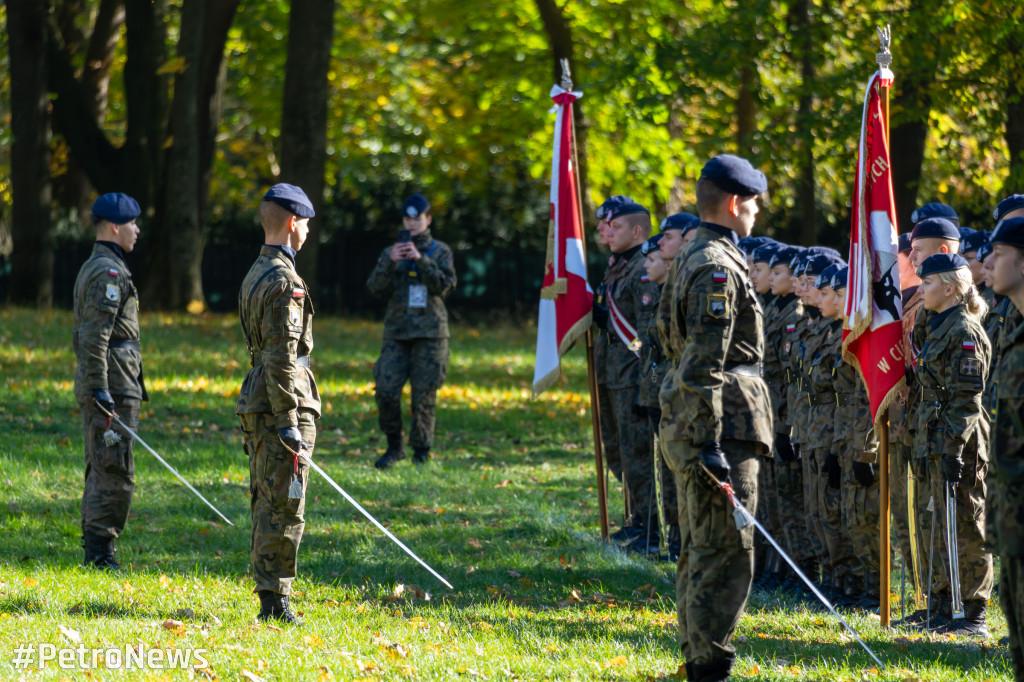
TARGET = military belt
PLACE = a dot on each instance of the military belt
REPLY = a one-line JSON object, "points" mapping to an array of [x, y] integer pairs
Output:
{"points": [[130, 344], [933, 395], [745, 369], [821, 398], [300, 360]]}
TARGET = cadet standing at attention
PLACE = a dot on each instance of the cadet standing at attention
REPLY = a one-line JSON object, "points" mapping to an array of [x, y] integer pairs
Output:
{"points": [[1007, 275], [716, 414], [415, 275], [109, 375], [279, 400]]}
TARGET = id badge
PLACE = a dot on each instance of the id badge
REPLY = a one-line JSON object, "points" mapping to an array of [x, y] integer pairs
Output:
{"points": [[418, 296]]}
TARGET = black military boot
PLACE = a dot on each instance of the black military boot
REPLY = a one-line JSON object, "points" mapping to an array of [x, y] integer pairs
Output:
{"points": [[647, 543], [626, 535], [274, 605], [716, 671], [972, 624], [421, 456], [394, 453], [99, 552], [675, 543]]}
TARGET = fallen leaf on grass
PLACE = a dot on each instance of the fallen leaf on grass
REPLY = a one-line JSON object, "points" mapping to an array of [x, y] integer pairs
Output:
{"points": [[398, 591], [513, 573], [251, 676], [208, 673], [504, 484], [325, 673], [77, 608], [313, 641], [395, 651], [71, 635], [164, 581], [753, 670], [616, 662], [474, 543], [173, 625], [31, 582]]}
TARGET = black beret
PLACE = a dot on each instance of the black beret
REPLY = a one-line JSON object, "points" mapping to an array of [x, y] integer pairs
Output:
{"points": [[748, 244], [840, 278], [825, 278], [116, 207], [734, 175], [972, 240], [291, 199], [652, 244], [415, 205], [680, 221], [1010, 203], [1010, 232], [941, 262], [609, 203], [785, 255], [764, 253], [940, 228], [816, 263], [904, 243], [935, 210], [983, 252], [625, 208]]}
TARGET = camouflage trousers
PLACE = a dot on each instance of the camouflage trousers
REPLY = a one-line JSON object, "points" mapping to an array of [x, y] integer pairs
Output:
{"points": [[424, 364], [277, 521], [1011, 598], [813, 460], [636, 449], [109, 469], [901, 478], [860, 520], [767, 513], [838, 557], [609, 432], [666, 481], [792, 507], [716, 565], [976, 571]]}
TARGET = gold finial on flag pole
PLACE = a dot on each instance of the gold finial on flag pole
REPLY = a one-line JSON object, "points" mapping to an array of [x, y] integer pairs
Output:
{"points": [[566, 76]]}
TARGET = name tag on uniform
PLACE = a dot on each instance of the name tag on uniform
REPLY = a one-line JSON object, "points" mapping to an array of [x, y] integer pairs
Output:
{"points": [[418, 296]]}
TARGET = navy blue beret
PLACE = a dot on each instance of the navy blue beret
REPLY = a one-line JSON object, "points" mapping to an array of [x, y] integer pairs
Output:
{"points": [[972, 240], [840, 278], [291, 199], [825, 251], [764, 253], [652, 244], [609, 203], [940, 228], [116, 207], [1010, 232], [625, 208], [815, 264], [941, 262], [748, 244], [825, 278], [1010, 203], [984, 252], [785, 255], [935, 210], [734, 175], [904, 243], [680, 221], [415, 205]]}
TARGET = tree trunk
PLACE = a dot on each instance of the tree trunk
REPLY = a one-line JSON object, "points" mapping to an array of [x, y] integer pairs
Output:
{"points": [[559, 33], [31, 226], [746, 110], [1014, 109], [304, 112], [802, 30]]}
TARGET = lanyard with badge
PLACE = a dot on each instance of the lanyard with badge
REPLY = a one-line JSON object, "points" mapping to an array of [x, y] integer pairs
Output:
{"points": [[418, 292]]}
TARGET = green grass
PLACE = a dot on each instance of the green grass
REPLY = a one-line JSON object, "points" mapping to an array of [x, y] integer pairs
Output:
{"points": [[507, 512]]}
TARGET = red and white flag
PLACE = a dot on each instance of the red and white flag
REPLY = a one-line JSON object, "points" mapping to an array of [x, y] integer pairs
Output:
{"points": [[566, 299], [873, 333]]}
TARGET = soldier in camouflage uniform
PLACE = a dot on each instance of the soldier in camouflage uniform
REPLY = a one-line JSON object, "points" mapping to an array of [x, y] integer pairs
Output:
{"points": [[109, 375], [1007, 484], [415, 276], [716, 413], [953, 431], [279, 400], [629, 225]]}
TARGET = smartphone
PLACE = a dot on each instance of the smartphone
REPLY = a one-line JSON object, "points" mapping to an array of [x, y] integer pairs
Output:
{"points": [[404, 236]]}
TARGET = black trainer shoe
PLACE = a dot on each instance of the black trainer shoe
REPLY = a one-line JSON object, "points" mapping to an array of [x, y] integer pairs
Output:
{"points": [[421, 456], [99, 552], [394, 453], [972, 624], [625, 535], [275, 606]]}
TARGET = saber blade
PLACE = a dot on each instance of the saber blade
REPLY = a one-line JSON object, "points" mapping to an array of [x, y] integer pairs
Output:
{"points": [[169, 467], [316, 467]]}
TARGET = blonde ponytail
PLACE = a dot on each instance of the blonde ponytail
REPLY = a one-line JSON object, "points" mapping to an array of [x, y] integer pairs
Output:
{"points": [[965, 291]]}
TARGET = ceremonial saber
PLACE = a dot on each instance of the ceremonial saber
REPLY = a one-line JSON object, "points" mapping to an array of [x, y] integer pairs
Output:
{"points": [[162, 461], [744, 519], [953, 545], [304, 454]]}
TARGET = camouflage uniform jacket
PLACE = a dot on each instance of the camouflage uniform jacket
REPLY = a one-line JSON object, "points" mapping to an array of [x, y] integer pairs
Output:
{"points": [[821, 395], [808, 335], [277, 320], [1008, 446], [654, 361], [998, 324], [435, 269], [625, 285], [716, 329], [855, 438], [902, 415], [951, 370], [779, 332], [105, 336]]}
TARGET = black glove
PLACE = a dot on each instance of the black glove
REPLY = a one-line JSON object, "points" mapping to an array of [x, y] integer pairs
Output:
{"points": [[600, 315], [864, 473], [102, 396], [714, 459], [784, 447], [831, 468], [952, 468], [654, 414], [291, 437]]}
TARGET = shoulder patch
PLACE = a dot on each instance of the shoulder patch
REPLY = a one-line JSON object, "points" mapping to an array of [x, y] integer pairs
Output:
{"points": [[113, 292], [719, 277], [298, 293], [112, 272], [969, 345], [790, 328], [646, 299]]}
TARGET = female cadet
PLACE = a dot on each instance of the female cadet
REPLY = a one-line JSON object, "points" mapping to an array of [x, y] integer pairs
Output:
{"points": [[953, 433]]}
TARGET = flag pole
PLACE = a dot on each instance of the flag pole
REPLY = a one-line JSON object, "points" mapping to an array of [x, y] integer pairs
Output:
{"points": [[884, 59], [595, 415]]}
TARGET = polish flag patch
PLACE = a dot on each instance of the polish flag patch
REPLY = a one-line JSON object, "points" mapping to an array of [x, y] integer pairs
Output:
{"points": [[645, 279], [969, 345], [719, 278], [298, 293], [790, 328], [112, 272]]}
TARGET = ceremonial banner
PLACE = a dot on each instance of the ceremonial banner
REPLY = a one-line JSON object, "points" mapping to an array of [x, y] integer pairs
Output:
{"points": [[873, 333], [566, 298]]}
